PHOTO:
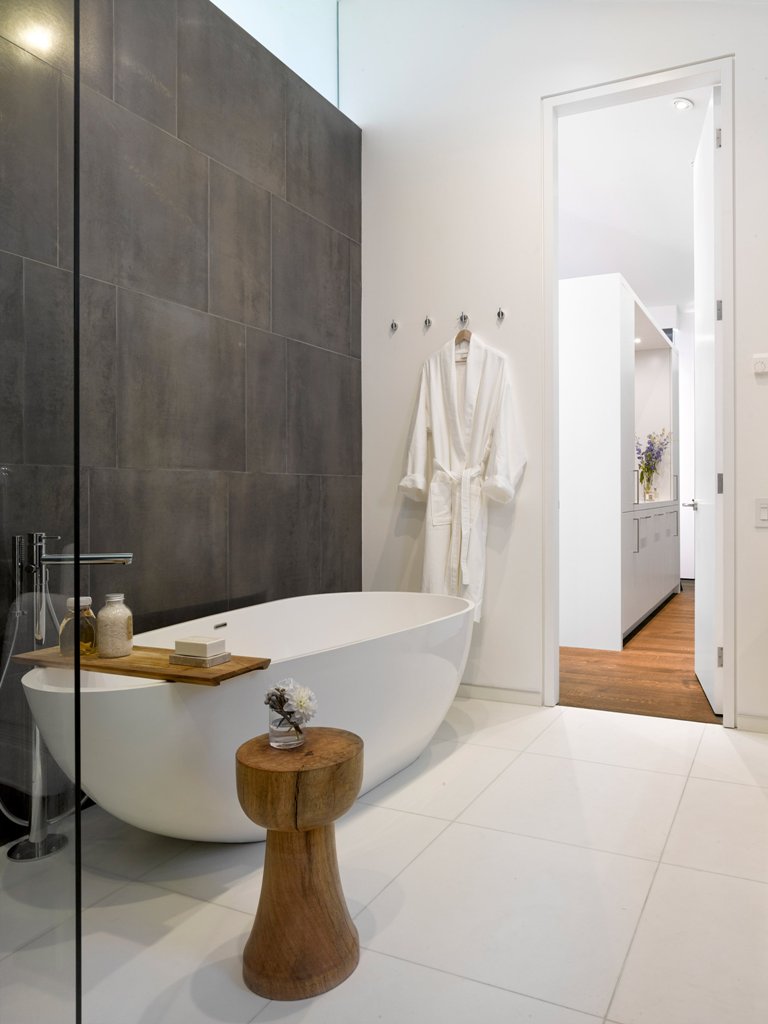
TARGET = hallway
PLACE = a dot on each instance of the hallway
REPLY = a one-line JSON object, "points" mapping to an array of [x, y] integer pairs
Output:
{"points": [[653, 675]]}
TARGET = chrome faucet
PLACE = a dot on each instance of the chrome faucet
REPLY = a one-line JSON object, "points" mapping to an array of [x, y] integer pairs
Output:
{"points": [[30, 556]]}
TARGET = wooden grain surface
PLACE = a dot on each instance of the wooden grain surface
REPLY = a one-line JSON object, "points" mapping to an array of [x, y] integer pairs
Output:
{"points": [[653, 675], [303, 940], [303, 787], [147, 662]]}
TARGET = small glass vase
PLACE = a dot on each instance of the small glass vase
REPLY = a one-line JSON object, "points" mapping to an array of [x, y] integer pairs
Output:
{"points": [[282, 734]]}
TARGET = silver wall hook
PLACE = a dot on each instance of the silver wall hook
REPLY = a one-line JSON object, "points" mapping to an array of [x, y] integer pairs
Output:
{"points": [[500, 315], [394, 326], [463, 318], [427, 321]]}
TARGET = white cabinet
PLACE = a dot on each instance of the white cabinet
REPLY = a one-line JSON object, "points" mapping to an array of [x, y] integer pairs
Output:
{"points": [[619, 556]]}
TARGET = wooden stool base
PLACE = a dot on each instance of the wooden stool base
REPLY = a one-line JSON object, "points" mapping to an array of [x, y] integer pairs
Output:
{"points": [[303, 941]]}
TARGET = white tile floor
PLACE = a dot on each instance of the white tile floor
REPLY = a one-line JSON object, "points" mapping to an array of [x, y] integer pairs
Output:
{"points": [[538, 865]]}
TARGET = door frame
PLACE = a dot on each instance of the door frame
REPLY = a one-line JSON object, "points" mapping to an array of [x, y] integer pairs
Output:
{"points": [[715, 72]]}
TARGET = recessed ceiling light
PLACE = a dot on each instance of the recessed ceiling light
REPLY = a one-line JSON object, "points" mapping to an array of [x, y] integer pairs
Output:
{"points": [[638, 341], [682, 103]]}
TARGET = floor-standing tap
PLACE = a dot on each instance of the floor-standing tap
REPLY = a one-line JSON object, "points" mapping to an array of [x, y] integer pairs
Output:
{"points": [[29, 555]]}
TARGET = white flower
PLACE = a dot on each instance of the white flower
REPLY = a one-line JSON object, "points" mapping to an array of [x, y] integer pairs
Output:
{"points": [[300, 702]]}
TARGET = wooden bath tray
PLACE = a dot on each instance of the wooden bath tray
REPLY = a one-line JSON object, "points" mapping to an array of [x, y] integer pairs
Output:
{"points": [[149, 662]]}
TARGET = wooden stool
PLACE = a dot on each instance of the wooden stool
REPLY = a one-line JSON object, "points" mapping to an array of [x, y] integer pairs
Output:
{"points": [[303, 941]]}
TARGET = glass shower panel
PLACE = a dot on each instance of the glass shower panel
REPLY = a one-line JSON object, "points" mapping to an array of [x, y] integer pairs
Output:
{"points": [[38, 494]]}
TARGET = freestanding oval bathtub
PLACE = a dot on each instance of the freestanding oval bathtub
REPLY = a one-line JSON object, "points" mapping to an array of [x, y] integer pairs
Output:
{"points": [[161, 755]]}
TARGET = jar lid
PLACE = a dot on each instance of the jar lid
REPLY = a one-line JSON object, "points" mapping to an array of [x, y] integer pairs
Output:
{"points": [[72, 602], [115, 597]]}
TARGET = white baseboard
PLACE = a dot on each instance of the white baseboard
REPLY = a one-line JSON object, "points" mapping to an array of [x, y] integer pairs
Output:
{"points": [[752, 723], [504, 696]]}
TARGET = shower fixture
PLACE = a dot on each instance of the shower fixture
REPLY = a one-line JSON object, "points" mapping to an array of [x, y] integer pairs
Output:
{"points": [[30, 557]]}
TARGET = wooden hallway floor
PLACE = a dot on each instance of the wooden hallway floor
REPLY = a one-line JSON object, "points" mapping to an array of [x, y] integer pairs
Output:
{"points": [[653, 675]]}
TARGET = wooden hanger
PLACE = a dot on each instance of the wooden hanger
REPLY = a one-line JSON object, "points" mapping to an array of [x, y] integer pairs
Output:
{"points": [[464, 335]]}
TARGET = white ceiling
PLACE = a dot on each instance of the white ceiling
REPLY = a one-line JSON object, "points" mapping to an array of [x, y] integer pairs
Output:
{"points": [[625, 191]]}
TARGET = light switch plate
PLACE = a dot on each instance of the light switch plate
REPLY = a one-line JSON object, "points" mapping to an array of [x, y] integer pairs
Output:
{"points": [[760, 362], [761, 513]]}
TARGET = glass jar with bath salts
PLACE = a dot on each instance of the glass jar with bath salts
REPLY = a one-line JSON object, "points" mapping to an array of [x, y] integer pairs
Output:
{"points": [[115, 628]]}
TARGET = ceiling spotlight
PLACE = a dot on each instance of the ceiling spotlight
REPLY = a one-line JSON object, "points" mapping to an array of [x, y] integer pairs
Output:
{"points": [[638, 341], [682, 103], [39, 38]]}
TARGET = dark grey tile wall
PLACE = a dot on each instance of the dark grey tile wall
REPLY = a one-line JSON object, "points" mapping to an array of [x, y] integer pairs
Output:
{"points": [[219, 309], [28, 184], [145, 59], [144, 210], [231, 95]]}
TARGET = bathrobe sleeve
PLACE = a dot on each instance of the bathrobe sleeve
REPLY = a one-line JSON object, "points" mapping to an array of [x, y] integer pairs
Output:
{"points": [[414, 483], [506, 459]]}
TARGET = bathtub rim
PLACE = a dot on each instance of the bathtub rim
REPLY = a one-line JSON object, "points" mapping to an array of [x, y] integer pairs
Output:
{"points": [[36, 677]]}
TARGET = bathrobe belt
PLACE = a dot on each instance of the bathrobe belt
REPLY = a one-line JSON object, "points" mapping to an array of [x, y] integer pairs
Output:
{"points": [[461, 522]]}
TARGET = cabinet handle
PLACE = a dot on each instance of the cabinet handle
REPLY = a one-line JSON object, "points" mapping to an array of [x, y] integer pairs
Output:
{"points": [[636, 474], [676, 487], [636, 548]]}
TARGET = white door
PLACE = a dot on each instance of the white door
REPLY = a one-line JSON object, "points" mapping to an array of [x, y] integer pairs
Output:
{"points": [[708, 614]]}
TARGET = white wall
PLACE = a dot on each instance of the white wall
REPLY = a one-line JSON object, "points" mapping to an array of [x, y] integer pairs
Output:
{"points": [[302, 33], [449, 97]]}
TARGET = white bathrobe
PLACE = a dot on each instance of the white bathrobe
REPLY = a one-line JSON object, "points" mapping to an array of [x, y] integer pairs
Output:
{"points": [[464, 448]]}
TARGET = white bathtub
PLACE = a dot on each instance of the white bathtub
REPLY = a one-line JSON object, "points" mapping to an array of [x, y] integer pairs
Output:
{"points": [[161, 755]]}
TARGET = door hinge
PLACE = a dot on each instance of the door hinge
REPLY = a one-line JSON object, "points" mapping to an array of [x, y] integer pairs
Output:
{"points": [[718, 138], [719, 657], [719, 483], [719, 309]]}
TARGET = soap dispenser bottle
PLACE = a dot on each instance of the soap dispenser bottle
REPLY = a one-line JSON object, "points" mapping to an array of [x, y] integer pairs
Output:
{"points": [[78, 627]]}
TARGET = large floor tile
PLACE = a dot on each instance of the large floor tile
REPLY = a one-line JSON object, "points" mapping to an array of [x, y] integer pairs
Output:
{"points": [[373, 845], [539, 918], [621, 810], [30, 908], [395, 992], [721, 827], [632, 741], [490, 723], [442, 781], [113, 847], [37, 984], [731, 755], [700, 955], [154, 956]]}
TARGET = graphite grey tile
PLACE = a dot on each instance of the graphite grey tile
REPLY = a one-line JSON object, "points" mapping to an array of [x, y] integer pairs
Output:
{"points": [[45, 28], [181, 394], [144, 211], [98, 373], [231, 95], [96, 45], [49, 365], [322, 159], [265, 402], [66, 234], [310, 280], [28, 187], [11, 359], [342, 534], [275, 542], [324, 432], [355, 299], [175, 523], [145, 59], [239, 248]]}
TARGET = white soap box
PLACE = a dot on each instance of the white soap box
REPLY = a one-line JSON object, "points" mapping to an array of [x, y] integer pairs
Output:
{"points": [[201, 646]]}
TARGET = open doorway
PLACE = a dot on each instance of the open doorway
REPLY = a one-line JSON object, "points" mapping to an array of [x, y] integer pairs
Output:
{"points": [[625, 330]]}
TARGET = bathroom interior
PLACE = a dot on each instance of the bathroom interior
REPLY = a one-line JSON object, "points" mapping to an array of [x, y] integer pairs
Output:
{"points": [[231, 233]]}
